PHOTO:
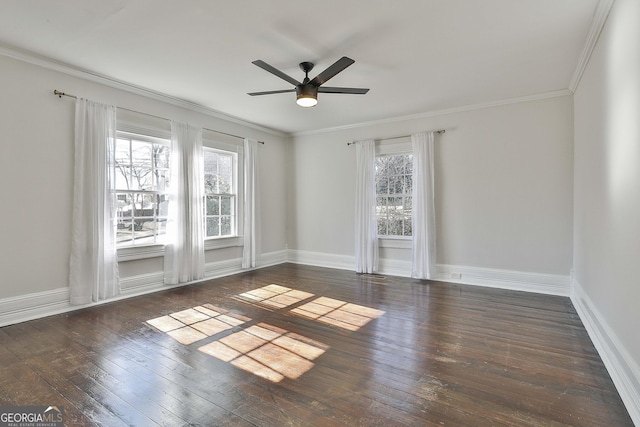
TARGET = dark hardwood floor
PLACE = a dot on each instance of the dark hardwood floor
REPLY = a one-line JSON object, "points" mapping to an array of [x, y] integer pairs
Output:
{"points": [[303, 346]]}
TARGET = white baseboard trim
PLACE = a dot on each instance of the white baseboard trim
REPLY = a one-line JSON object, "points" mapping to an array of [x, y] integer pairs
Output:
{"points": [[33, 306], [273, 258], [624, 371], [552, 284], [321, 259], [504, 279]]}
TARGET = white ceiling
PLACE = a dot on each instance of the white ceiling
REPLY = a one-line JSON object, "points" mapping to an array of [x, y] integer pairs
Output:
{"points": [[416, 56]]}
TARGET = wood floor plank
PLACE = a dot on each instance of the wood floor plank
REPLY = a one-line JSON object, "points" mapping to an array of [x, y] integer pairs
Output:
{"points": [[432, 354]]}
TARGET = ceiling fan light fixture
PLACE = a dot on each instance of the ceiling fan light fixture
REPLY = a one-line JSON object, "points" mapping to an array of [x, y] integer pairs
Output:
{"points": [[307, 95]]}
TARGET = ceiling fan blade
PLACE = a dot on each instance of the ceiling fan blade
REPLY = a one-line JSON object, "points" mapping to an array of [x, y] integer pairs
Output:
{"points": [[271, 92], [276, 72], [334, 69], [350, 90]]}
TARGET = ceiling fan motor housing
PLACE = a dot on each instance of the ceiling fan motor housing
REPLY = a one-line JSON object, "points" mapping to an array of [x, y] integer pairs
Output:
{"points": [[308, 93]]}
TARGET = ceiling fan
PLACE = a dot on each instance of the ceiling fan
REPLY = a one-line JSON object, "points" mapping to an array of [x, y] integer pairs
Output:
{"points": [[307, 91]]}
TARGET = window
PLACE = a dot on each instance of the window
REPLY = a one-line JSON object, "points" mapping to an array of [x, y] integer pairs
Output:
{"points": [[393, 194], [141, 188], [220, 189]]}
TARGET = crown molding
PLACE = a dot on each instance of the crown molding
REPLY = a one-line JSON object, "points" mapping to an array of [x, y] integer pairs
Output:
{"points": [[435, 113], [597, 25], [51, 64]]}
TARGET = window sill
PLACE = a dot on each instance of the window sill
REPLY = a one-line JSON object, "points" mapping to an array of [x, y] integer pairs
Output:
{"points": [[395, 242], [132, 253], [223, 242]]}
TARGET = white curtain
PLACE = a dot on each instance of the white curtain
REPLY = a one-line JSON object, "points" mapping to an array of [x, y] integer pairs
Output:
{"points": [[423, 213], [366, 228], [93, 263], [184, 251], [250, 206]]}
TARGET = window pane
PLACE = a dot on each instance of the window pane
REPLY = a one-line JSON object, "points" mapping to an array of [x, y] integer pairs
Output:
{"points": [[224, 183], [124, 236], [408, 184], [122, 152], [398, 187], [225, 165], [409, 165], [382, 185], [211, 184], [210, 162], [213, 226], [213, 205], [162, 177], [141, 154], [123, 176], [163, 205], [382, 226], [407, 227], [225, 226], [407, 204], [161, 156], [225, 206], [394, 226]]}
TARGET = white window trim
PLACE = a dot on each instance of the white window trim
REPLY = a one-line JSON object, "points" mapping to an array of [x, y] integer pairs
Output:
{"points": [[395, 242], [151, 135], [393, 147], [238, 167], [132, 253], [223, 242]]}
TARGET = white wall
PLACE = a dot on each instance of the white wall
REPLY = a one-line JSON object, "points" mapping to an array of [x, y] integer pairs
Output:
{"points": [[607, 197], [36, 170], [503, 187]]}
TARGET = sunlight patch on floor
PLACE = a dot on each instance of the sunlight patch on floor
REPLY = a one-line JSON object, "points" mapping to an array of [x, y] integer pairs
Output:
{"points": [[274, 296], [338, 313], [267, 351], [197, 323]]}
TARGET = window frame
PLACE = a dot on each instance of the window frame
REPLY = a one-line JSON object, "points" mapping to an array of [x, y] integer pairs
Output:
{"points": [[156, 130], [237, 150], [151, 137], [393, 147]]}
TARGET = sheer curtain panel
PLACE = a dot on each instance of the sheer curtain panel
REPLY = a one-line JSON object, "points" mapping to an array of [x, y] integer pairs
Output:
{"points": [[184, 251], [93, 266], [366, 228], [423, 214], [250, 207]]}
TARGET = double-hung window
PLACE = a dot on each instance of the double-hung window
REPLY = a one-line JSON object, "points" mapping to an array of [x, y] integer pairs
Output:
{"points": [[222, 192], [393, 171], [141, 188]]}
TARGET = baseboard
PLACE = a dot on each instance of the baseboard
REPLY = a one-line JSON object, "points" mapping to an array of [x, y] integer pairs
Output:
{"points": [[321, 259], [624, 371], [552, 284], [33, 306], [504, 279]]}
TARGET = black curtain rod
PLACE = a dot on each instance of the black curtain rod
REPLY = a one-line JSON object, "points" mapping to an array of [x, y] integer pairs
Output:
{"points": [[401, 136], [61, 94]]}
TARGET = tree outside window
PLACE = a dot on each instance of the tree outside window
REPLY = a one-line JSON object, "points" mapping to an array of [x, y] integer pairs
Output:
{"points": [[393, 194]]}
